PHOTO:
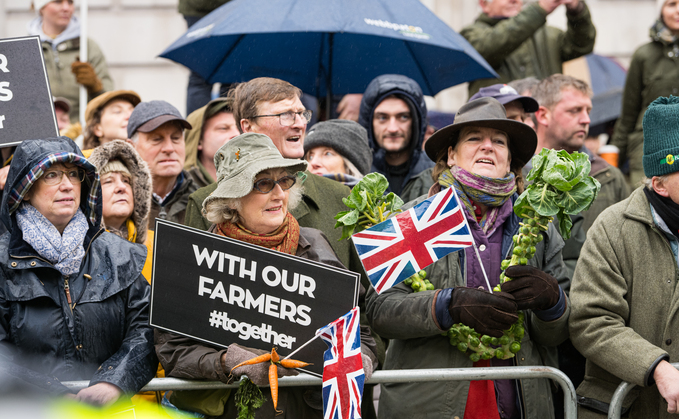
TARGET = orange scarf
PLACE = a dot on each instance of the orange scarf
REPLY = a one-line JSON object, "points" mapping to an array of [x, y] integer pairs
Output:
{"points": [[284, 239]]}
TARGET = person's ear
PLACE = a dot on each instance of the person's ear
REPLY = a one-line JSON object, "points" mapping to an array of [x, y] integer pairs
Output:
{"points": [[659, 187], [543, 116], [96, 130], [451, 156], [245, 125]]}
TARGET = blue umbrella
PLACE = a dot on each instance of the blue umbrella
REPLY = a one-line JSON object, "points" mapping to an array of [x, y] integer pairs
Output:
{"points": [[297, 40]]}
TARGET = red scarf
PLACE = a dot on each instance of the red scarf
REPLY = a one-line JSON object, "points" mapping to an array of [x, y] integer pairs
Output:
{"points": [[284, 239], [481, 402]]}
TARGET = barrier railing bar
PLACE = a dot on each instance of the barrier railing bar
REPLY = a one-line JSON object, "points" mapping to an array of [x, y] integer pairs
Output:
{"points": [[391, 376], [615, 408]]}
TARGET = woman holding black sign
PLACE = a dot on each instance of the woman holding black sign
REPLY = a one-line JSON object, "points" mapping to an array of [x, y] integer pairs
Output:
{"points": [[73, 302], [256, 188]]}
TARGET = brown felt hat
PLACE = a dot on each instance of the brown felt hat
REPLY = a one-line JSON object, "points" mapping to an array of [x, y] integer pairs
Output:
{"points": [[486, 112], [103, 99]]}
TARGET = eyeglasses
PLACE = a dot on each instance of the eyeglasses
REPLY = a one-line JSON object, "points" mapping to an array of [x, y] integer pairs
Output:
{"points": [[54, 177], [266, 185], [288, 118]]}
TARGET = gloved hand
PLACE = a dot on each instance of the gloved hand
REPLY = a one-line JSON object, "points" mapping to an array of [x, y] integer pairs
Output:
{"points": [[85, 75], [489, 314], [532, 288], [367, 366], [257, 373]]}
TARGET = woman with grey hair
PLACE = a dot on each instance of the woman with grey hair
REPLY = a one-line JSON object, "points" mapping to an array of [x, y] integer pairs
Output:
{"points": [[256, 189]]}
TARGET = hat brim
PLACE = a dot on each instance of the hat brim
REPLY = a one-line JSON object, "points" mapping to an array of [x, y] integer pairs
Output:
{"points": [[242, 183], [154, 123], [522, 139]]}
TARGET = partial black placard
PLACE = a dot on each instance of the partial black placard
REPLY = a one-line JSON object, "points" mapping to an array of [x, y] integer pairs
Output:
{"points": [[26, 103]]}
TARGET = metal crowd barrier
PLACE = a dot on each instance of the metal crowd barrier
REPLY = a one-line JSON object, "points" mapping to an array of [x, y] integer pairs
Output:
{"points": [[615, 409], [392, 376]]}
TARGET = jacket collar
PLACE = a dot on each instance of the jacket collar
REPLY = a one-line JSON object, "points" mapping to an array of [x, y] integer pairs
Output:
{"points": [[638, 208]]}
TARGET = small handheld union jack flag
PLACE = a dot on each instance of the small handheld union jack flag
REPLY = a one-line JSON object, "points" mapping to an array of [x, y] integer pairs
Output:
{"points": [[397, 248], [343, 374]]}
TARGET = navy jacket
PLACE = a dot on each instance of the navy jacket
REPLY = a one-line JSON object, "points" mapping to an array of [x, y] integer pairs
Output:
{"points": [[103, 336], [407, 89]]}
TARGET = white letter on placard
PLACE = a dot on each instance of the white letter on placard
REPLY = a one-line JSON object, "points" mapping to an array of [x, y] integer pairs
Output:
{"points": [[2, 118], [3, 64], [5, 93], [205, 255]]}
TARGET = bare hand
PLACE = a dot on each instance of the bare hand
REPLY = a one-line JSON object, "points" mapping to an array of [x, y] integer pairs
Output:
{"points": [[667, 379], [349, 106], [99, 394], [572, 5], [3, 176], [550, 5]]}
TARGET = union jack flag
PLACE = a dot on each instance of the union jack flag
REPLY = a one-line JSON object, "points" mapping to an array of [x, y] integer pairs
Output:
{"points": [[343, 374], [395, 249]]}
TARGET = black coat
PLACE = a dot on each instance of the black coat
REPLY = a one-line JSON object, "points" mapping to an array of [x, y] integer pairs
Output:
{"points": [[103, 336]]}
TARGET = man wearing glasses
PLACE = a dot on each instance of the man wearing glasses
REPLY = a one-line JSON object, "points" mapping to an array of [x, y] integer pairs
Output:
{"points": [[272, 107]]}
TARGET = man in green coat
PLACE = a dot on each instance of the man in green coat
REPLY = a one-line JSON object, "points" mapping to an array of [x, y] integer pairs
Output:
{"points": [[517, 43], [624, 293]]}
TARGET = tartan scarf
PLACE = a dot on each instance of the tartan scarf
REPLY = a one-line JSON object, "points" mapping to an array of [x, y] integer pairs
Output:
{"points": [[284, 239], [492, 192]]}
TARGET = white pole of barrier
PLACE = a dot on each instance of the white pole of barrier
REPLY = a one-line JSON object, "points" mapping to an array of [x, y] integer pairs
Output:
{"points": [[83, 57], [395, 376]]}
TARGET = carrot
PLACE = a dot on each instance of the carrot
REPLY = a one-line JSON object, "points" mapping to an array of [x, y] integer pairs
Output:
{"points": [[292, 363], [274, 356], [273, 383], [255, 360]]}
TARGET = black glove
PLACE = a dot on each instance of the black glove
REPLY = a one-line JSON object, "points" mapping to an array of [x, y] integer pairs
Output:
{"points": [[489, 314], [532, 288]]}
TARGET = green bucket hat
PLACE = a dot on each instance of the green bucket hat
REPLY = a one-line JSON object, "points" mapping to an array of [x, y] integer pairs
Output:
{"points": [[241, 159], [661, 137]]}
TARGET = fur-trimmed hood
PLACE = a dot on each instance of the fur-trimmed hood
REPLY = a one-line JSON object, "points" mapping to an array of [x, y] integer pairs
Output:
{"points": [[141, 184]]}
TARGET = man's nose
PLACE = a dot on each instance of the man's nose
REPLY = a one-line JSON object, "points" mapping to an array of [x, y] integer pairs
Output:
{"points": [[584, 118]]}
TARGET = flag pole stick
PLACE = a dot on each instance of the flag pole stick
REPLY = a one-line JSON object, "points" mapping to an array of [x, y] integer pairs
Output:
{"points": [[318, 333], [478, 256]]}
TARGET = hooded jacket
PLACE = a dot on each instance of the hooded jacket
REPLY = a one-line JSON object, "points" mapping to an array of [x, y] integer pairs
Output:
{"points": [[141, 180], [103, 336], [408, 90], [652, 73], [192, 137], [63, 51]]}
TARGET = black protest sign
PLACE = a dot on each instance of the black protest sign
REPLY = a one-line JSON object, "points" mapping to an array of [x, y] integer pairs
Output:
{"points": [[26, 104], [223, 291]]}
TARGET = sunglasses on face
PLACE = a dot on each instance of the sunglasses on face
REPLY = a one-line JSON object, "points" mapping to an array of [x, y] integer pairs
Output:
{"points": [[266, 185]]}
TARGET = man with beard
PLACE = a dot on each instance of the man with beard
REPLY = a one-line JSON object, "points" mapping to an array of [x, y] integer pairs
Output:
{"points": [[394, 114]]}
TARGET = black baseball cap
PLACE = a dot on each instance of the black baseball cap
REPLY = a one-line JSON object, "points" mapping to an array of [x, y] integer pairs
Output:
{"points": [[148, 116]]}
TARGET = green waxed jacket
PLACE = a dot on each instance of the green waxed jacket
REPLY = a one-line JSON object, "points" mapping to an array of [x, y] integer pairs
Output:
{"points": [[653, 72], [198, 7], [524, 46], [624, 307], [409, 320]]}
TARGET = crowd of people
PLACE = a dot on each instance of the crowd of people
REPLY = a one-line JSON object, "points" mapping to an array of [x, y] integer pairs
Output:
{"points": [[76, 254]]}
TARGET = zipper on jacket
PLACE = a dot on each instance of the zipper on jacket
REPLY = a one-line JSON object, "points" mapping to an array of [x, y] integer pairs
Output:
{"points": [[67, 289]]}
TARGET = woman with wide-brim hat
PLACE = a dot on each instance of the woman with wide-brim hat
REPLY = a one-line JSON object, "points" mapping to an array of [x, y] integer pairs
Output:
{"points": [[256, 188], [480, 155]]}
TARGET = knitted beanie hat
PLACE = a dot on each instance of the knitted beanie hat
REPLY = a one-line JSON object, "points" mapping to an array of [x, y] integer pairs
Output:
{"points": [[114, 166], [661, 137], [346, 137]]}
